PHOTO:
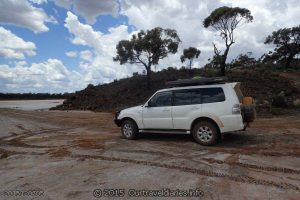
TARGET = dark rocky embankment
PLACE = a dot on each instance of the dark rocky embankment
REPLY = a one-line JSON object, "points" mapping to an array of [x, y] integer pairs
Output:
{"points": [[269, 90]]}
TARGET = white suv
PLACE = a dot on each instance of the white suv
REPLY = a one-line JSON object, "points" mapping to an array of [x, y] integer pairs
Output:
{"points": [[205, 111]]}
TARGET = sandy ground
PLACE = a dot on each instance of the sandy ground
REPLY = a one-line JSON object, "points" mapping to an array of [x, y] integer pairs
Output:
{"points": [[67, 155]]}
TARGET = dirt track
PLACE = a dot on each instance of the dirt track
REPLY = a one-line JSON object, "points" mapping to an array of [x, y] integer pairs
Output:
{"points": [[69, 154]]}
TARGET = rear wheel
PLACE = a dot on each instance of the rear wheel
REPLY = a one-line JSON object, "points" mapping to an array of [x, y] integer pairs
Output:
{"points": [[205, 133], [129, 129]]}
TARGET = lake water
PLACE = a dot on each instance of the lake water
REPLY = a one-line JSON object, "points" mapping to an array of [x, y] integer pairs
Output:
{"points": [[30, 104]]}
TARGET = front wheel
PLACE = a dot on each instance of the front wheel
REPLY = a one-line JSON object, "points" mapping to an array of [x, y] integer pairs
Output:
{"points": [[205, 133], [129, 130]]}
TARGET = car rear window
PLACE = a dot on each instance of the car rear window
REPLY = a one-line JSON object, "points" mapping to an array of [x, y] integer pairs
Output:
{"points": [[238, 92], [212, 95]]}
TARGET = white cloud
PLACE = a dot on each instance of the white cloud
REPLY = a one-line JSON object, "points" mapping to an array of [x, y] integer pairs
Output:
{"points": [[38, 1], [90, 9], [49, 76], [72, 54], [11, 46], [187, 17], [99, 68], [21, 63], [184, 16], [64, 3], [269, 15], [96, 64], [24, 14], [86, 55], [83, 33]]}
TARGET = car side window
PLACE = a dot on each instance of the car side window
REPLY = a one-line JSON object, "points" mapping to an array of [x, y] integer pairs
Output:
{"points": [[196, 96], [212, 95], [187, 97], [161, 99], [182, 97]]}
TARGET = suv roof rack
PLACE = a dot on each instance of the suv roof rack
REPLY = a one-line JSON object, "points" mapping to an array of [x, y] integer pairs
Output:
{"points": [[197, 81]]}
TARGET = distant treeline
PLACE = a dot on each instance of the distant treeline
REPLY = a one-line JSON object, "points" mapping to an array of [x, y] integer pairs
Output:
{"points": [[32, 96]]}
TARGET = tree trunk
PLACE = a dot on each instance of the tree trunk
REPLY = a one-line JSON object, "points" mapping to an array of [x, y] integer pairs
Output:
{"points": [[223, 62], [222, 66], [288, 61], [190, 69], [148, 77]]}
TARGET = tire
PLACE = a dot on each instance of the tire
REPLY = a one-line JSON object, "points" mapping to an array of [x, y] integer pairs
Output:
{"points": [[129, 129], [205, 133]]}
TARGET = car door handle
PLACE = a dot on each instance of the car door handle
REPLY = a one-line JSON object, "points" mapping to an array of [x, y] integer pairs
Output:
{"points": [[166, 110]]}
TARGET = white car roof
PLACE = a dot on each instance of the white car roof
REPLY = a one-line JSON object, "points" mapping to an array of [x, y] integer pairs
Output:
{"points": [[199, 86]]}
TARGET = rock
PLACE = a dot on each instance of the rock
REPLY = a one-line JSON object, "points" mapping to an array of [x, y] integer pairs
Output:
{"points": [[281, 94], [265, 102], [296, 103], [279, 101], [261, 84]]}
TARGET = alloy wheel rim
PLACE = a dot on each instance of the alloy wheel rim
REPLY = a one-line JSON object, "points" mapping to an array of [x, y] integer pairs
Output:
{"points": [[204, 134], [127, 130]]}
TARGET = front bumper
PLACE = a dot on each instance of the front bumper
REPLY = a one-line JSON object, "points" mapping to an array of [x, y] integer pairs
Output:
{"points": [[117, 121]]}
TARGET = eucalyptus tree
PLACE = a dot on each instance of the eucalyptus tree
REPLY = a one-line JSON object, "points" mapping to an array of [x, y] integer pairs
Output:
{"points": [[287, 42], [225, 20], [190, 54], [147, 48]]}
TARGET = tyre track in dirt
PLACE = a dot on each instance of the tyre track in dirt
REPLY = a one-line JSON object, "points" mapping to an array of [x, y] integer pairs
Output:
{"points": [[213, 161], [208, 173], [252, 166], [236, 178], [292, 150], [84, 146], [17, 140], [4, 153]]}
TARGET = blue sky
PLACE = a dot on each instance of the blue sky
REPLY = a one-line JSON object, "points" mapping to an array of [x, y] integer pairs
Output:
{"points": [[55, 42], [64, 45]]}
